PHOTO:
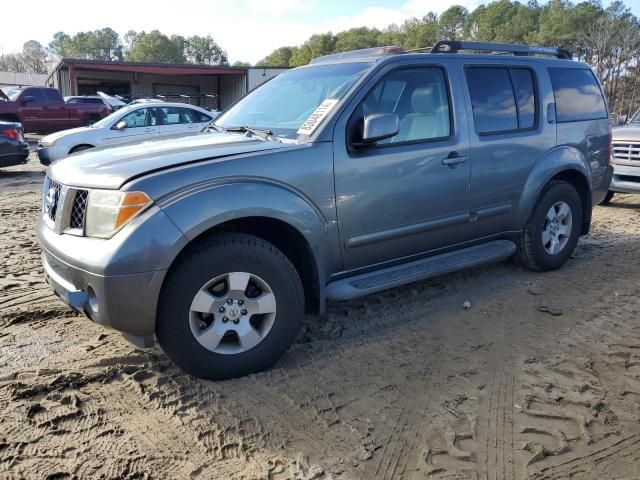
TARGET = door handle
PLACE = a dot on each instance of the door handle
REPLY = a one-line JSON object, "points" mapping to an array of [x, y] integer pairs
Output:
{"points": [[453, 159]]}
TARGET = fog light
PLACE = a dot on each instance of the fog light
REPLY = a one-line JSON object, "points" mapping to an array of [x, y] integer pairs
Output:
{"points": [[93, 300]]}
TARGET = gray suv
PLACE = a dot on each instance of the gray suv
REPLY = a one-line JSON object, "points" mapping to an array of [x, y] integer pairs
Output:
{"points": [[360, 172]]}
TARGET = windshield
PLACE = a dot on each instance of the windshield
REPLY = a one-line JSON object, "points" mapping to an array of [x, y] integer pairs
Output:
{"points": [[635, 119], [285, 103], [109, 119], [12, 93]]}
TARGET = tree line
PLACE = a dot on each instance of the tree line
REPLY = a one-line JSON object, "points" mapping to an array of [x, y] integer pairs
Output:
{"points": [[106, 45], [606, 37]]}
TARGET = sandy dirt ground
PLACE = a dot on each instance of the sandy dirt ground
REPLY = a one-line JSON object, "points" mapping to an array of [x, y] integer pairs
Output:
{"points": [[539, 379]]}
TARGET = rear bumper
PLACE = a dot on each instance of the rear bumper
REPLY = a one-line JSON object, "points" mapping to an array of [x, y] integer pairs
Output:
{"points": [[18, 157], [601, 188], [626, 179]]}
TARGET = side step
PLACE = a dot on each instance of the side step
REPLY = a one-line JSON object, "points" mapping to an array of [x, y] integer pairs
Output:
{"points": [[444, 263]]}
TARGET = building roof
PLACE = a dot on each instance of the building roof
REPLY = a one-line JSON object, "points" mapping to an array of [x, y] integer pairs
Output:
{"points": [[23, 79], [143, 67]]}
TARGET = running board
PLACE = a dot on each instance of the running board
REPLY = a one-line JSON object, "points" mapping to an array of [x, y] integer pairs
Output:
{"points": [[437, 265]]}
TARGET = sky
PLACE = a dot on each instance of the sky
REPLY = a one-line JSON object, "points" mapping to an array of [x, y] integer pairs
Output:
{"points": [[247, 29]]}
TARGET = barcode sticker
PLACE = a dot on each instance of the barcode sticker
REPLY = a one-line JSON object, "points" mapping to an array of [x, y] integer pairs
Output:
{"points": [[311, 123]]}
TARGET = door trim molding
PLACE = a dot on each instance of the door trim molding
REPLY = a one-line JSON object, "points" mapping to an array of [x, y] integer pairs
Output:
{"points": [[406, 230]]}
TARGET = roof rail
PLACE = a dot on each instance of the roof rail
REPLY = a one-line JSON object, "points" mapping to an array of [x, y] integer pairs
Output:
{"points": [[454, 46], [363, 52]]}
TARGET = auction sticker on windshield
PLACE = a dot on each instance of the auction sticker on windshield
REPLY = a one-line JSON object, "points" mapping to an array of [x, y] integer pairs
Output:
{"points": [[311, 123]]}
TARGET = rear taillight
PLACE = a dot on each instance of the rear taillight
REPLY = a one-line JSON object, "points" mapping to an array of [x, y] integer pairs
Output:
{"points": [[12, 133], [609, 151]]}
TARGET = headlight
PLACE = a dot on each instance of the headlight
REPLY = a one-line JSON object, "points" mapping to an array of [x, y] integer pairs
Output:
{"points": [[110, 210], [49, 140]]}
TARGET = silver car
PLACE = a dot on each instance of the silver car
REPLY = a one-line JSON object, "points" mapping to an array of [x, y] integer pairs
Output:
{"points": [[143, 121]]}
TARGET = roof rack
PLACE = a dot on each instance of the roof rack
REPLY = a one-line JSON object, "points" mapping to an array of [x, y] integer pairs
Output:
{"points": [[454, 46]]}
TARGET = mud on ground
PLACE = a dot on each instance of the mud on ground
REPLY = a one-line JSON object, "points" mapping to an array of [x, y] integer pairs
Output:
{"points": [[539, 379]]}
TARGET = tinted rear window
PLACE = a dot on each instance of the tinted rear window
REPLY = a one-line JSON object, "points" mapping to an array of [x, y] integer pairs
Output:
{"points": [[503, 99], [578, 95]]}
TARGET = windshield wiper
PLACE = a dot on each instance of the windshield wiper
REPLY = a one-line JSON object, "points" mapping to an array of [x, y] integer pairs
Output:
{"points": [[258, 132]]}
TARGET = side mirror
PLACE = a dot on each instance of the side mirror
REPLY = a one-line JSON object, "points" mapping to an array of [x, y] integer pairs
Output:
{"points": [[380, 126], [27, 99], [621, 119], [121, 125]]}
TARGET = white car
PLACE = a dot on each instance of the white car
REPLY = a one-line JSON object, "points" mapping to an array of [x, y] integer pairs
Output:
{"points": [[133, 122]]}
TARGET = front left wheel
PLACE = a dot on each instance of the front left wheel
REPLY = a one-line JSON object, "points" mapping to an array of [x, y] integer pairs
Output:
{"points": [[232, 306]]}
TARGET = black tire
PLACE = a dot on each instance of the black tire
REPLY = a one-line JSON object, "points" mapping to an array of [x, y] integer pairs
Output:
{"points": [[607, 199], [218, 255], [531, 252], [80, 148]]}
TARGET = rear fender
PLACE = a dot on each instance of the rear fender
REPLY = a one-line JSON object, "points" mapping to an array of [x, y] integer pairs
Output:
{"points": [[563, 161]]}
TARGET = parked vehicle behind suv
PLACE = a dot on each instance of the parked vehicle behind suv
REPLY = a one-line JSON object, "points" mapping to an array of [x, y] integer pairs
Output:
{"points": [[43, 110], [14, 150], [625, 159], [359, 172], [130, 123]]}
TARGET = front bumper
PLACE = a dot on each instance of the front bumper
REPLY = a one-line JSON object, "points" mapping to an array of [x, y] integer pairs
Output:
{"points": [[114, 282], [626, 179], [47, 155]]}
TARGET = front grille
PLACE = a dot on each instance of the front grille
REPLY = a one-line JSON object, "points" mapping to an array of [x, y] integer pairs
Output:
{"points": [[52, 199], [79, 209], [628, 152]]}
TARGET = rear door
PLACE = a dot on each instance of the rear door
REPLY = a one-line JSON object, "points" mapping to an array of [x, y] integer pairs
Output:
{"points": [[409, 194], [141, 124], [510, 133], [180, 119]]}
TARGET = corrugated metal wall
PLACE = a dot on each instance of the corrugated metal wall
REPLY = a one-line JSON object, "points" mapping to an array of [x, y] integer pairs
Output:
{"points": [[17, 79], [232, 87], [256, 76]]}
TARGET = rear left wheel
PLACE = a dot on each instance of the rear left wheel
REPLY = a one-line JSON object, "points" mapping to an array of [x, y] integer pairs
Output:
{"points": [[553, 229], [231, 307]]}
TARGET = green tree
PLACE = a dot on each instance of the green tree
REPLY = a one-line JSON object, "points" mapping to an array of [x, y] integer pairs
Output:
{"points": [[280, 57], [452, 22], [357, 38], [204, 50], [103, 44], [316, 46], [156, 47]]}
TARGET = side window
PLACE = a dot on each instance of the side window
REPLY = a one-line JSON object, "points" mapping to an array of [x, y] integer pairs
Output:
{"points": [[142, 117], [419, 97], [502, 99], [74, 101], [53, 96], [38, 98], [525, 91], [189, 116], [578, 96], [492, 100]]}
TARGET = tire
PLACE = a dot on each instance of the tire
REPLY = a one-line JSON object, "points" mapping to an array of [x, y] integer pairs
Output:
{"points": [[190, 337], [80, 148], [532, 252], [607, 199]]}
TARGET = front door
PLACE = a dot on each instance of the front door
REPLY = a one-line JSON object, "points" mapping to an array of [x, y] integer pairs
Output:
{"points": [[32, 106], [408, 194], [141, 124]]}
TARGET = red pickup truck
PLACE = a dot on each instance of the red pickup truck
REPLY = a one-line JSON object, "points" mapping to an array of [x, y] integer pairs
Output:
{"points": [[43, 110]]}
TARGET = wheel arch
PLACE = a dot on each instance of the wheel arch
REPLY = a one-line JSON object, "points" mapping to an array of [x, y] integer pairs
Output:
{"points": [[76, 148], [269, 211], [286, 238], [561, 164]]}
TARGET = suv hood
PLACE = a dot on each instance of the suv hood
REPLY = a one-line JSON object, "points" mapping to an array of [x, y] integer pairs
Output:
{"points": [[112, 166]]}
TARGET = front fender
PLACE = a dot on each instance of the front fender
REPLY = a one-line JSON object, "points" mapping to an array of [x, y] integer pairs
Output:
{"points": [[556, 162], [202, 208]]}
